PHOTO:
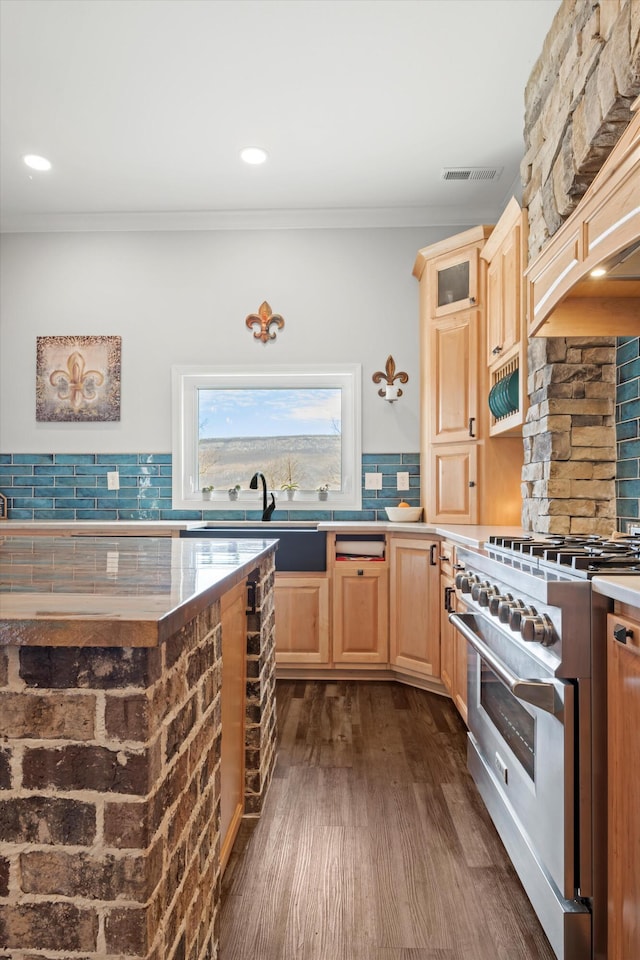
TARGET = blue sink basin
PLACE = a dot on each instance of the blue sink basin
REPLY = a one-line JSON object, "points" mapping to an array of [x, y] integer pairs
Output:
{"points": [[299, 549]]}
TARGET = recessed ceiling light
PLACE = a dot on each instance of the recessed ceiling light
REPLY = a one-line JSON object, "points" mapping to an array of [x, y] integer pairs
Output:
{"points": [[35, 162], [598, 272], [253, 155]]}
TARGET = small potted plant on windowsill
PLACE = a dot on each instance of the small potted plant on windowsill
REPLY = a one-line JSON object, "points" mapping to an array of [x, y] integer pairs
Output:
{"points": [[206, 493], [323, 492], [233, 492], [290, 488]]}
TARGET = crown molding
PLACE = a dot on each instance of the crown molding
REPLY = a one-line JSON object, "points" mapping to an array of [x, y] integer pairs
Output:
{"points": [[328, 219]]}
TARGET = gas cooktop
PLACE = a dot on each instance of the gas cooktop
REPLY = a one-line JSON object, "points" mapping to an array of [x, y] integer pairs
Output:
{"points": [[580, 556]]}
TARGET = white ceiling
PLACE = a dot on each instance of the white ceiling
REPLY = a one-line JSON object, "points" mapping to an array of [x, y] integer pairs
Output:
{"points": [[143, 105]]}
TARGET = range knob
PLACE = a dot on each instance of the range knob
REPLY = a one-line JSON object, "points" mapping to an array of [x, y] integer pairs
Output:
{"points": [[477, 588], [465, 581], [518, 614], [486, 595], [496, 600], [537, 629], [506, 607]]}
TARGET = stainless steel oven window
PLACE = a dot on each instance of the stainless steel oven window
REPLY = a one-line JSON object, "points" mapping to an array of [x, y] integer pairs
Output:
{"points": [[515, 725]]}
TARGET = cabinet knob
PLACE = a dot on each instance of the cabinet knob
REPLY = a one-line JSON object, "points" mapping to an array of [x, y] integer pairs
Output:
{"points": [[472, 483], [497, 350], [621, 634], [472, 420]]}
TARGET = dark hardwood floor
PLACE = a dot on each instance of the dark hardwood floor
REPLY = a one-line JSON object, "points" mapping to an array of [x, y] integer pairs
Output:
{"points": [[374, 844]]}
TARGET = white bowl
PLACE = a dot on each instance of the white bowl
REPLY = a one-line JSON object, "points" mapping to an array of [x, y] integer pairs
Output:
{"points": [[404, 514]]}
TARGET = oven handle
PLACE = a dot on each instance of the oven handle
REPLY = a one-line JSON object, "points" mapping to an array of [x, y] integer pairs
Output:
{"points": [[539, 693]]}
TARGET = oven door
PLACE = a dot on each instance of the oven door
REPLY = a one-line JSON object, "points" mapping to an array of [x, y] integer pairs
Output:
{"points": [[522, 757]]}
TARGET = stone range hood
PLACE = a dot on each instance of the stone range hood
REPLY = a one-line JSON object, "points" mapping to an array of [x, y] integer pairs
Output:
{"points": [[577, 105]]}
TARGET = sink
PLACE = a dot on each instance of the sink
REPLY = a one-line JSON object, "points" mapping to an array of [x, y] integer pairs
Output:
{"points": [[299, 549]]}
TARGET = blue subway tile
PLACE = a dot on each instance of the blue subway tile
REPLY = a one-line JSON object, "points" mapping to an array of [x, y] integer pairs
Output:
{"points": [[96, 515], [32, 481], [5, 458], [54, 514], [33, 458], [411, 458], [116, 458], [629, 449], [78, 503], [628, 508], [115, 503], [628, 489], [629, 349], [630, 410], [54, 470], [180, 515], [32, 503], [154, 458], [75, 458], [20, 513], [629, 371], [627, 468], [626, 430], [138, 515], [16, 471]]}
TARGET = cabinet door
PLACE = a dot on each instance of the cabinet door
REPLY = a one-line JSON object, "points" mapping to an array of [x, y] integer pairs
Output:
{"points": [[623, 735], [233, 607], [453, 282], [413, 606], [453, 361], [447, 636], [504, 298], [452, 493], [460, 675], [360, 614], [302, 619]]}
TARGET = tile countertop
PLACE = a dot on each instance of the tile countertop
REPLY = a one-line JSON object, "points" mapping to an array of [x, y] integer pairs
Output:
{"points": [[113, 591], [625, 589]]}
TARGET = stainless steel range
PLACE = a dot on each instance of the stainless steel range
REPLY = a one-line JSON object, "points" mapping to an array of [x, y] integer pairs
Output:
{"points": [[537, 718]]}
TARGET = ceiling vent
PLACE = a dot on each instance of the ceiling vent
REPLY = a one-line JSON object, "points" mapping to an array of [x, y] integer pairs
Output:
{"points": [[471, 173]]}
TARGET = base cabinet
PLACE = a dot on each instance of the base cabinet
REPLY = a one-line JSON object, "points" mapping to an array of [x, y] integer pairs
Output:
{"points": [[623, 726], [360, 613], [453, 646], [413, 606], [302, 619]]}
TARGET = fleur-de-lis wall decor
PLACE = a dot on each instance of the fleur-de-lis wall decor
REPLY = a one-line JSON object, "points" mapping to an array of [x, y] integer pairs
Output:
{"points": [[76, 384], [390, 392], [265, 318]]}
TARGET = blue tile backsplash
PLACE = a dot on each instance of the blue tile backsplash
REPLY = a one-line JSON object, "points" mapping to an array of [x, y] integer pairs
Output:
{"points": [[56, 486], [628, 432]]}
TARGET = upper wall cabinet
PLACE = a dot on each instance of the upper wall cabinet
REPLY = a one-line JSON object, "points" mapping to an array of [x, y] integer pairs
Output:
{"points": [[563, 298], [453, 275], [506, 349]]}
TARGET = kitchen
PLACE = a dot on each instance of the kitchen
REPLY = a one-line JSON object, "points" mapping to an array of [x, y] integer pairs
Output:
{"points": [[125, 280]]}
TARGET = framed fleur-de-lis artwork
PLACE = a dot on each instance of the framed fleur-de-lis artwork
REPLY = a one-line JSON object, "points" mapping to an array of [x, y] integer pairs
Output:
{"points": [[78, 379]]}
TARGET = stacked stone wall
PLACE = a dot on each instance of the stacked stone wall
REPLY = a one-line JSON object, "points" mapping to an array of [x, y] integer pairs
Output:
{"points": [[577, 105], [110, 791]]}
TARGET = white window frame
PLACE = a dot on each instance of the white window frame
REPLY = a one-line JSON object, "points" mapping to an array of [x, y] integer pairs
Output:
{"points": [[187, 380]]}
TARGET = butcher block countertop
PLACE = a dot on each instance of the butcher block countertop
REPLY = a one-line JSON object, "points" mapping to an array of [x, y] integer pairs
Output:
{"points": [[114, 591]]}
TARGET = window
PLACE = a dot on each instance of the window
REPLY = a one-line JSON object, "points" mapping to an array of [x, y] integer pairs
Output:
{"points": [[299, 426]]}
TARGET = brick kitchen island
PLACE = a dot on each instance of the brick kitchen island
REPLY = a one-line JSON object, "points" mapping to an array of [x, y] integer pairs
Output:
{"points": [[111, 723]]}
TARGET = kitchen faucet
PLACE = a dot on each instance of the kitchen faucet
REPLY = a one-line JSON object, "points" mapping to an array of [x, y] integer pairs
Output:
{"points": [[266, 510]]}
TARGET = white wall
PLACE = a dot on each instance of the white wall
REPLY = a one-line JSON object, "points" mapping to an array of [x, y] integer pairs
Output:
{"points": [[346, 296]]}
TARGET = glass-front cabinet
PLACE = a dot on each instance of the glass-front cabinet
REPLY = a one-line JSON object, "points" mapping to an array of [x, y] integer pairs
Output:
{"points": [[454, 281]]}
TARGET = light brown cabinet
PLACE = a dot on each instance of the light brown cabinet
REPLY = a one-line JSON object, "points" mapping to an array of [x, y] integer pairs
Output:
{"points": [[505, 254], [302, 618], [360, 613], [413, 606], [623, 732], [233, 606], [453, 279], [467, 475], [453, 647], [453, 374]]}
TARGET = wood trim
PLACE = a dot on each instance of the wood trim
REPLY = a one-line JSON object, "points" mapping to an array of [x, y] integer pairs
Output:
{"points": [[449, 245]]}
